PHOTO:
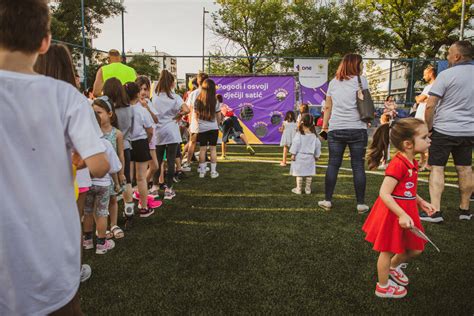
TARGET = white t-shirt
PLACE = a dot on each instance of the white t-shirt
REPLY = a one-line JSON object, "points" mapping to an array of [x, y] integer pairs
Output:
{"points": [[206, 126], [344, 114], [115, 165], [193, 124], [167, 129], [141, 120], [454, 114], [420, 111], [41, 120]]}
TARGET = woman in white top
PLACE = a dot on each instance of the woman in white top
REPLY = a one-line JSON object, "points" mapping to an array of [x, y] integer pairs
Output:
{"points": [[169, 108], [345, 129]]}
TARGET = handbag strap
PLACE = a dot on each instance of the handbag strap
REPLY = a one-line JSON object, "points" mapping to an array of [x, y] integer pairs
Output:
{"points": [[360, 83]]}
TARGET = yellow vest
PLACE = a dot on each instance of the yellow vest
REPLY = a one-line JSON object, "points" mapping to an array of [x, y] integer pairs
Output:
{"points": [[120, 71]]}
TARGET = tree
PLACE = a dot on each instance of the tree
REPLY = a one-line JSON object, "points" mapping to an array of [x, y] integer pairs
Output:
{"points": [[417, 29], [146, 65], [254, 27]]}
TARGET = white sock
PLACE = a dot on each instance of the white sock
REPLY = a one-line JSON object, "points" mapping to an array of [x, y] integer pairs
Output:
{"points": [[299, 183], [202, 167], [213, 166]]}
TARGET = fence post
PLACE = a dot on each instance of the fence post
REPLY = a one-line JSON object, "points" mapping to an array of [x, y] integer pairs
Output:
{"points": [[209, 64], [412, 70], [83, 47], [390, 78]]}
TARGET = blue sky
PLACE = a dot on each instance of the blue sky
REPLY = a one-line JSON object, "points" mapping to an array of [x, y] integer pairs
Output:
{"points": [[174, 27]]}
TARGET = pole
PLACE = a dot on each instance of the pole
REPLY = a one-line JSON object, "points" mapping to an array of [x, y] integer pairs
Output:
{"points": [[412, 70], [390, 78], [463, 12], [124, 59], [84, 67], [203, 33]]}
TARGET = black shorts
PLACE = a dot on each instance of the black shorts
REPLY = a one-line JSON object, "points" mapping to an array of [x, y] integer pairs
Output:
{"points": [[140, 150], [126, 169], [231, 127], [208, 138], [443, 145]]}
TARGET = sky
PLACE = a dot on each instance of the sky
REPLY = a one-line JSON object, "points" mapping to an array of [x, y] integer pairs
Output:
{"points": [[174, 27]]}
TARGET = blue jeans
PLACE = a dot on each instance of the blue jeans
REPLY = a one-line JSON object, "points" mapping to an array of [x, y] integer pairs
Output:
{"points": [[337, 142]]}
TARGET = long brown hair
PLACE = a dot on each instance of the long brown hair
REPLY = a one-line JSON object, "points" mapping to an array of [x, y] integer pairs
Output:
{"points": [[57, 63], [395, 133], [206, 101], [306, 120], [165, 83], [349, 67], [115, 91]]}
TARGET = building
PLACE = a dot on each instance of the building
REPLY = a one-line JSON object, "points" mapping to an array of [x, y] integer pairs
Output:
{"points": [[378, 75], [165, 61]]}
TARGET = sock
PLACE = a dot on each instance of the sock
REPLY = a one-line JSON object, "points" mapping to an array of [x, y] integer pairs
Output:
{"points": [[202, 167], [100, 241], [87, 235], [299, 182], [213, 166], [383, 286], [308, 183]]}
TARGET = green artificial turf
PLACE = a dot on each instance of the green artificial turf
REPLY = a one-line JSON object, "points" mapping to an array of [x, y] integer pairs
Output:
{"points": [[244, 244]]}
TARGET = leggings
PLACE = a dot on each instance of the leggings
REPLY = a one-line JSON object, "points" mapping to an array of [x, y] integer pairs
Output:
{"points": [[171, 151]]}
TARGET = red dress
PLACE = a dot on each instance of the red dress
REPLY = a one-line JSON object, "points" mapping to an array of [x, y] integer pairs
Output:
{"points": [[381, 227]]}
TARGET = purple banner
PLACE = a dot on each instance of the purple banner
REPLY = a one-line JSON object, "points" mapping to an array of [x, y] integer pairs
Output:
{"points": [[314, 96], [260, 103]]}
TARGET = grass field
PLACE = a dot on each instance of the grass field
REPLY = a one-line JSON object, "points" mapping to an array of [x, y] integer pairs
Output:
{"points": [[244, 244]]}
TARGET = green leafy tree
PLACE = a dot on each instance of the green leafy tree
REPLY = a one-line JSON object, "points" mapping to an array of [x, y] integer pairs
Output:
{"points": [[146, 65], [253, 27]]}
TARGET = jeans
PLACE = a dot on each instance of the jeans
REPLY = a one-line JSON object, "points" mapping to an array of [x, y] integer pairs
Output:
{"points": [[337, 142], [171, 151]]}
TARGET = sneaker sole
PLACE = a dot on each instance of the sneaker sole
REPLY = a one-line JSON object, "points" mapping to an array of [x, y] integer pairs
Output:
{"points": [[169, 197], [325, 207], [88, 247], [465, 217], [390, 296], [147, 214], [432, 220]]}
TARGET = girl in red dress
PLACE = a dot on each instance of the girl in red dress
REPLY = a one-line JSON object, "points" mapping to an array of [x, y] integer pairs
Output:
{"points": [[396, 210]]}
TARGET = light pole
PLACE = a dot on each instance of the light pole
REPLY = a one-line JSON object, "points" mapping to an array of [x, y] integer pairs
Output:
{"points": [[124, 60], [84, 67], [203, 33]]}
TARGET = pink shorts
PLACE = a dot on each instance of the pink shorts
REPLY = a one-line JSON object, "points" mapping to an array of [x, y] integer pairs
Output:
{"points": [[83, 190]]}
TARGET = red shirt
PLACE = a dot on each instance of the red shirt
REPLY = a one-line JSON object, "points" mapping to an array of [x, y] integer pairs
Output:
{"points": [[406, 173]]}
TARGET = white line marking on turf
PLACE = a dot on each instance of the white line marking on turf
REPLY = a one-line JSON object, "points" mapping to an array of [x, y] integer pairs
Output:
{"points": [[342, 168]]}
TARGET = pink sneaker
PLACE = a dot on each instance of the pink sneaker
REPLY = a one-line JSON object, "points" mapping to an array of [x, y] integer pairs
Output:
{"points": [[392, 290], [102, 249], [152, 203], [87, 244], [398, 275]]}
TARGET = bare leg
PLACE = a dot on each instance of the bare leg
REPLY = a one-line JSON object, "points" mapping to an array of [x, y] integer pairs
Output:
{"points": [[244, 139], [465, 185], [152, 166], [161, 179], [191, 148], [404, 257], [113, 210], [213, 150], [436, 185], [383, 267], [223, 145], [285, 154], [101, 225], [141, 168], [202, 154]]}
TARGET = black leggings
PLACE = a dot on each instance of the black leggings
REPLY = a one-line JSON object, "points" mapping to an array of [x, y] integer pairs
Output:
{"points": [[171, 150]]}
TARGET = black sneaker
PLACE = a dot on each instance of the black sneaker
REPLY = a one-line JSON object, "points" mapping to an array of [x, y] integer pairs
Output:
{"points": [[435, 218], [465, 215]]}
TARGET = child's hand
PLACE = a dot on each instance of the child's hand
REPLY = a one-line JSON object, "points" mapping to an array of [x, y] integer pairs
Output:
{"points": [[117, 188], [144, 103], [280, 129], [316, 158], [427, 207], [293, 157], [405, 221], [122, 179], [77, 161]]}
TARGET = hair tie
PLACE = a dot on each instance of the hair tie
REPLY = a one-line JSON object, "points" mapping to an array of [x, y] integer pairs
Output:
{"points": [[106, 100]]}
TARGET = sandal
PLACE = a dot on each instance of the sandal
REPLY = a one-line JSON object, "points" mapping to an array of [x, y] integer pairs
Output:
{"points": [[108, 234], [117, 232]]}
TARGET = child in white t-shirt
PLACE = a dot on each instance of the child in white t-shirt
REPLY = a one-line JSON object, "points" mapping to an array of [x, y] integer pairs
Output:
{"points": [[44, 119], [97, 203], [141, 134]]}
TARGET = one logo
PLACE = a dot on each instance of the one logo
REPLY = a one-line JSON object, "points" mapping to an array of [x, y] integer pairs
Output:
{"points": [[280, 94], [409, 185], [301, 68], [408, 194]]}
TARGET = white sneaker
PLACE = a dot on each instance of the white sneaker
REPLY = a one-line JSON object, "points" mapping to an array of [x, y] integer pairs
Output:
{"points": [[214, 174], [103, 249], [86, 272], [326, 205], [202, 174], [296, 191], [362, 208], [307, 190], [207, 169], [186, 167]]}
